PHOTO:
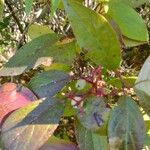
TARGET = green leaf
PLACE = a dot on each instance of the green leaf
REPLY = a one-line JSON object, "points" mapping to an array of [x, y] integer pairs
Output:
{"points": [[126, 127], [147, 123], [93, 33], [124, 41], [142, 86], [132, 43], [58, 66], [69, 110], [36, 30], [54, 5], [147, 143], [42, 50], [144, 100], [95, 115], [58, 144], [129, 21], [142, 83], [127, 81], [29, 56], [147, 139], [32, 125], [132, 3], [1, 8], [48, 83], [28, 6], [90, 141]]}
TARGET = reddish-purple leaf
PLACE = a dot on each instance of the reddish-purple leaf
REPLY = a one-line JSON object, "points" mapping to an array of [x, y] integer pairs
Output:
{"points": [[13, 97]]}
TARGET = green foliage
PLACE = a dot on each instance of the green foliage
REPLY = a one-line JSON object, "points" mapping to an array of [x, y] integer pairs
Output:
{"points": [[130, 23], [88, 140], [126, 129], [1, 8], [28, 6], [58, 66], [132, 43], [142, 86], [117, 82], [59, 144], [32, 125], [132, 3], [72, 81], [95, 116], [36, 30], [93, 33], [54, 5], [48, 84], [41, 50], [29, 56]]}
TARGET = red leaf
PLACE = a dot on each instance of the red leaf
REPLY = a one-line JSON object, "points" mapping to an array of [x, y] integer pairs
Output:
{"points": [[13, 97]]}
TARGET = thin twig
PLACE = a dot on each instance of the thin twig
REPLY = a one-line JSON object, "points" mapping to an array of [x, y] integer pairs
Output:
{"points": [[14, 16], [39, 13]]}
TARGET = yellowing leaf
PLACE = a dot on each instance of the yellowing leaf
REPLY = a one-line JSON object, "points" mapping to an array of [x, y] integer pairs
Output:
{"points": [[58, 144], [1, 8], [36, 30]]}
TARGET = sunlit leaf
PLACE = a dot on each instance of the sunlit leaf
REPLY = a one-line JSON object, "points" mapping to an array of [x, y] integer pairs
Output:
{"points": [[12, 97], [42, 50], [58, 144], [36, 30], [94, 33], [124, 41], [142, 86], [127, 81], [131, 43], [54, 5], [58, 66], [147, 143], [129, 21], [1, 8], [32, 125], [49, 83], [88, 140], [69, 110], [147, 123], [133, 3], [126, 129]]}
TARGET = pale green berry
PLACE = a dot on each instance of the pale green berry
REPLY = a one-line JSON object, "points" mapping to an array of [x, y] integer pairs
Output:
{"points": [[81, 83]]}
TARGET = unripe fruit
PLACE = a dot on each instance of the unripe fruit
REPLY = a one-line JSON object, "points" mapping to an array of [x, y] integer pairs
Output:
{"points": [[81, 83]]}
